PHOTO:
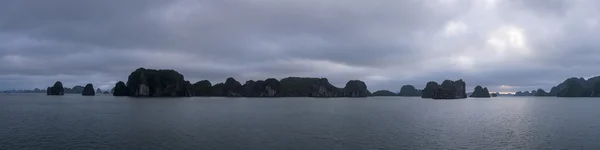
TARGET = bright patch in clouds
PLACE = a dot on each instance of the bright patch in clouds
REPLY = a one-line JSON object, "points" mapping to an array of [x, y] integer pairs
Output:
{"points": [[387, 43], [508, 39]]}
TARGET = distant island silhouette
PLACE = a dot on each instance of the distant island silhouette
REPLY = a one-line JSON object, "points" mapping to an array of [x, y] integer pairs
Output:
{"points": [[170, 83]]}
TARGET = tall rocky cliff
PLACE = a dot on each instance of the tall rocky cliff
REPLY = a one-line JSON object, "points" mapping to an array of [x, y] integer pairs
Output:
{"points": [[56, 89], [158, 83], [451, 90], [480, 92]]}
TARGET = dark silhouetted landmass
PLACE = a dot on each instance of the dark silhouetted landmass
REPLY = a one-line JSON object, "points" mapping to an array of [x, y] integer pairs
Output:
{"points": [[217, 89], [75, 90], [384, 93], [56, 89], [260, 88], [232, 88], [308, 87], [541, 92], [430, 89], [495, 94], [355, 88], [158, 83], [120, 89], [526, 93], [480, 92], [409, 90], [88, 90], [451, 90], [36, 90], [571, 87], [202, 88], [574, 87]]}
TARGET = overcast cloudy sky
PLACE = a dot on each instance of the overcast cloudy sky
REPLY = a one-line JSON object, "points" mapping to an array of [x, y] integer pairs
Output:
{"points": [[506, 45]]}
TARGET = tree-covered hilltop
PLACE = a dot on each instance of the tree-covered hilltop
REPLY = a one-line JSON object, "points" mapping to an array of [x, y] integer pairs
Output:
{"points": [[56, 89], [409, 90], [480, 92], [88, 90], [384, 93]]}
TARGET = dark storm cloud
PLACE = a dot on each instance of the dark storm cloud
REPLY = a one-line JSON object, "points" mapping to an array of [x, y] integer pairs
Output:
{"points": [[505, 45]]}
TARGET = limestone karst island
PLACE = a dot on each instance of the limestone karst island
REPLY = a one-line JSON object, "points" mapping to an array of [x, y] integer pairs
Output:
{"points": [[170, 83]]}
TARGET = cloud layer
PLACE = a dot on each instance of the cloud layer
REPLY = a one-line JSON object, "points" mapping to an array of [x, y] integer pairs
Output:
{"points": [[505, 45]]}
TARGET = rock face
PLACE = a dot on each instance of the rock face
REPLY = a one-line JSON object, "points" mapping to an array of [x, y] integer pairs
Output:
{"points": [[120, 89], [355, 88], [430, 89], [232, 88], [596, 89], [308, 87], [451, 90], [574, 87], [169, 83], [56, 89], [157, 83], [480, 92], [409, 90], [217, 89], [202, 88], [267, 88], [88, 90], [384, 93]]}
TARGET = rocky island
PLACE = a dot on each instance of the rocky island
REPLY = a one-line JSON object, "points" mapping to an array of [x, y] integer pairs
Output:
{"points": [[409, 90], [88, 90], [480, 92], [447, 90], [169, 83], [57, 89], [384, 93]]}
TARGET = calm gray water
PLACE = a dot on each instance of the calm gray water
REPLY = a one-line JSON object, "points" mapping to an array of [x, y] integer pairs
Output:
{"points": [[33, 121]]}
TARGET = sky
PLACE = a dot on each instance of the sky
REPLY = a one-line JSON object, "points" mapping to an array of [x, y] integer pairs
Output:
{"points": [[505, 45]]}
